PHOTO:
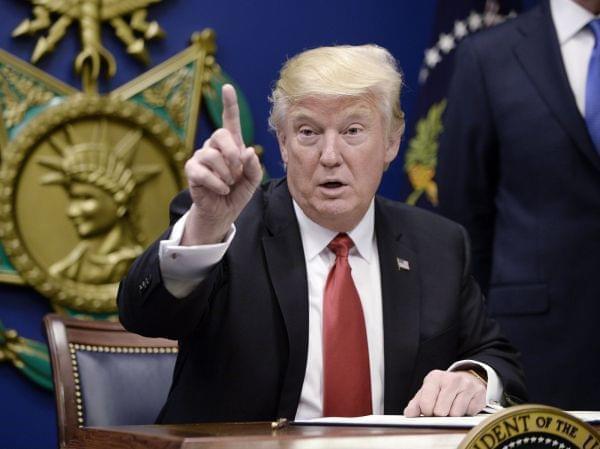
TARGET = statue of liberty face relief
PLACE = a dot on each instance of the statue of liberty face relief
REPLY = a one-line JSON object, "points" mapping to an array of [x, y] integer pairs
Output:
{"points": [[100, 182], [92, 210], [85, 186]]}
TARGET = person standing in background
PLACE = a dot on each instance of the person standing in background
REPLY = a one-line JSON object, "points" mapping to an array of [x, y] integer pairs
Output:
{"points": [[519, 167]]}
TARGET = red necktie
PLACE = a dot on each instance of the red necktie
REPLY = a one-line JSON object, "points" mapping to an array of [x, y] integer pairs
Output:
{"points": [[346, 375]]}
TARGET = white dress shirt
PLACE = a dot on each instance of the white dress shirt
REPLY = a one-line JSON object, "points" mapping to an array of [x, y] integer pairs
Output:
{"points": [[184, 267], [576, 44], [364, 262]]}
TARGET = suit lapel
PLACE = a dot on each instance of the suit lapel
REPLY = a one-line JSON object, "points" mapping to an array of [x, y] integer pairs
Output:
{"points": [[285, 262], [401, 308], [400, 299], [539, 54]]}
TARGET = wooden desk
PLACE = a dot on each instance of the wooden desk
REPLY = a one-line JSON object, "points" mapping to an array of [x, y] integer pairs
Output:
{"points": [[260, 435]]}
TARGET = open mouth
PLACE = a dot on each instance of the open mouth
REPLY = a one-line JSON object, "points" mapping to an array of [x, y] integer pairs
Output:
{"points": [[332, 185]]}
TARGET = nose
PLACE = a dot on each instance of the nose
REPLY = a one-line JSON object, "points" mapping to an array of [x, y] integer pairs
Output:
{"points": [[73, 209], [330, 154]]}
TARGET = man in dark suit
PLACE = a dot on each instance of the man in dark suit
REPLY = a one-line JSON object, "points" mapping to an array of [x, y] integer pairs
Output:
{"points": [[309, 296], [519, 169]]}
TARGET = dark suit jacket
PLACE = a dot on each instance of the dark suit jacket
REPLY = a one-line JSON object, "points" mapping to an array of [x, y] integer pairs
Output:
{"points": [[518, 169], [243, 332]]}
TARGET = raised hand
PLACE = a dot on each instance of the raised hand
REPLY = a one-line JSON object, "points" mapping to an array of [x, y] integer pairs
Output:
{"points": [[222, 176]]}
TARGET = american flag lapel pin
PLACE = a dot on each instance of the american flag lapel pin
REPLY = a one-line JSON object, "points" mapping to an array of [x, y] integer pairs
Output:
{"points": [[402, 264]]}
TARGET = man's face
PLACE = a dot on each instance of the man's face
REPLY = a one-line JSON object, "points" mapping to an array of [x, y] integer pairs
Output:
{"points": [[336, 150]]}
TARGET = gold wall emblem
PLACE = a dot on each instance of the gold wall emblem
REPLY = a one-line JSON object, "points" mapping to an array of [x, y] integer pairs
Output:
{"points": [[78, 181], [86, 179]]}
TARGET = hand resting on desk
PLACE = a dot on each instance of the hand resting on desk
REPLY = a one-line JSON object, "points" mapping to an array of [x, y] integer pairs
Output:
{"points": [[448, 393]]}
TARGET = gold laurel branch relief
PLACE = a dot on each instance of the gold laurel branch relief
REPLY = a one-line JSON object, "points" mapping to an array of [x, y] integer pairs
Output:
{"points": [[175, 87], [23, 87], [19, 94], [88, 181], [421, 156], [171, 94]]}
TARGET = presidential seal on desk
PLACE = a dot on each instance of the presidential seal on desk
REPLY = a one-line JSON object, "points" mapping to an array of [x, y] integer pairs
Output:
{"points": [[532, 426]]}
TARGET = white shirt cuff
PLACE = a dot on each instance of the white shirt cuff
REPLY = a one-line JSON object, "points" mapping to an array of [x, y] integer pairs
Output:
{"points": [[184, 267], [495, 388]]}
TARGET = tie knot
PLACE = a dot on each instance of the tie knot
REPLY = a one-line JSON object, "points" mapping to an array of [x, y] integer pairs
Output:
{"points": [[341, 245], [595, 27]]}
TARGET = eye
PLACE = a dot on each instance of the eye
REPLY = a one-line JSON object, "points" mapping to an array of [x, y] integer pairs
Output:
{"points": [[354, 130], [306, 132]]}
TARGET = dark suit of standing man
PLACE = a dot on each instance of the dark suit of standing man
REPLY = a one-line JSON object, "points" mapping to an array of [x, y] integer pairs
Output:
{"points": [[518, 169], [248, 320]]}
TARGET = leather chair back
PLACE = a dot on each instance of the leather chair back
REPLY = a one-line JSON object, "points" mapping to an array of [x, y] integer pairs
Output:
{"points": [[106, 376]]}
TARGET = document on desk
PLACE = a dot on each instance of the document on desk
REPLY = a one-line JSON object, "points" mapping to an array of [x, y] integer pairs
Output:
{"points": [[464, 422]]}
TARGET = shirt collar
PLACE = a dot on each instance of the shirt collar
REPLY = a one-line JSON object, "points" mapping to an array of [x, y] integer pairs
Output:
{"points": [[569, 18], [315, 237]]}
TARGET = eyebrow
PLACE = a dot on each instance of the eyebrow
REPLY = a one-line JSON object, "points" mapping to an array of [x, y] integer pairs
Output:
{"points": [[301, 116], [361, 112]]}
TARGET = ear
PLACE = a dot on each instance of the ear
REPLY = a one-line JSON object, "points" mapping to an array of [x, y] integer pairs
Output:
{"points": [[393, 146], [281, 139]]}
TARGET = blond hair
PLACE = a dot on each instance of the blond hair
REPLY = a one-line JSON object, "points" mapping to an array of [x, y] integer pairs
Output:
{"points": [[367, 71]]}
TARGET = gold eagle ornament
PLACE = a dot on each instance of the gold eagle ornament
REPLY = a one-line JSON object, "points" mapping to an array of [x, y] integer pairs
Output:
{"points": [[90, 14]]}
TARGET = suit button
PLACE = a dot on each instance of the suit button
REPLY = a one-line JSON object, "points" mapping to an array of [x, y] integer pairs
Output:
{"points": [[143, 286]]}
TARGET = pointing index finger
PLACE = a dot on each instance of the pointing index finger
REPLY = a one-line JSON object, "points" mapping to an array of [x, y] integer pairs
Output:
{"points": [[231, 114]]}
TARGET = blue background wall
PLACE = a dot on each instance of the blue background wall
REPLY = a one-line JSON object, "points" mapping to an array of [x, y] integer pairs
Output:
{"points": [[253, 38]]}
